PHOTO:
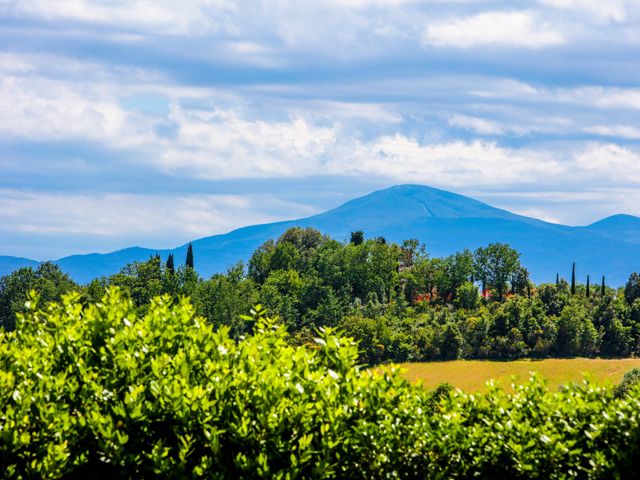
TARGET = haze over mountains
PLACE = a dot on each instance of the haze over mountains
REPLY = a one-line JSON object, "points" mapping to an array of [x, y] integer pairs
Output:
{"points": [[445, 222]]}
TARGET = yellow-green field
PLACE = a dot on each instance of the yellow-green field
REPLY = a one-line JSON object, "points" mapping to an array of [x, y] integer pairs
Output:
{"points": [[472, 375]]}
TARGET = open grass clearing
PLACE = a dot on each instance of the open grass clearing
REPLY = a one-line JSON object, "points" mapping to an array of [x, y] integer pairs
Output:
{"points": [[472, 375]]}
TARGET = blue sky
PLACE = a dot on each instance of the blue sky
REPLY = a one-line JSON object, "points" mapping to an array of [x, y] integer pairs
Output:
{"points": [[154, 122]]}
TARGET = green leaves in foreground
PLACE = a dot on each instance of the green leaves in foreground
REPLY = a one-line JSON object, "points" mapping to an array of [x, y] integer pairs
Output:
{"points": [[96, 391]]}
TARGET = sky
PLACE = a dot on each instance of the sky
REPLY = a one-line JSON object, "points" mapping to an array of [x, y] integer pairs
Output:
{"points": [[152, 123]]}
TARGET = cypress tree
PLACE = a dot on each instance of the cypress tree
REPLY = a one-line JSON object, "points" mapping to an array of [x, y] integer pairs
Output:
{"points": [[602, 289], [557, 279], [588, 287], [573, 279], [170, 264], [357, 237], [189, 262]]}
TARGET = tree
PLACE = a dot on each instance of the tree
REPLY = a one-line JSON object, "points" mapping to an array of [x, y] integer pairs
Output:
{"points": [[410, 249], [467, 296], [452, 342], [603, 288], [141, 281], [616, 339], [495, 265], [573, 279], [557, 279], [357, 237], [520, 282], [260, 262], [456, 270], [632, 288], [189, 262], [170, 265], [48, 280]]}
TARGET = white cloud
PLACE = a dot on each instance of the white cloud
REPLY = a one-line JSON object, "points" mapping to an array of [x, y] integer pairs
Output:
{"points": [[608, 162], [159, 16], [601, 10], [510, 29], [371, 3], [535, 212], [223, 144], [478, 125], [132, 217], [454, 163], [52, 110], [621, 131], [604, 97]]}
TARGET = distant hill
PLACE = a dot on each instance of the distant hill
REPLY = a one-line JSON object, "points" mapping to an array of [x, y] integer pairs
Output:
{"points": [[618, 227], [445, 222], [9, 264]]}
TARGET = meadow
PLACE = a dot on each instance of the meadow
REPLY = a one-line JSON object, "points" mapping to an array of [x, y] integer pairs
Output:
{"points": [[472, 375]]}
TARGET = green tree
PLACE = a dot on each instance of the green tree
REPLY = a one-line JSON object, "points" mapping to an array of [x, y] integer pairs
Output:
{"points": [[224, 298], [170, 264], [495, 265], [520, 281], [48, 280], [576, 333], [573, 279], [467, 296], [141, 280], [632, 288], [260, 262], [452, 342], [357, 237], [189, 260]]}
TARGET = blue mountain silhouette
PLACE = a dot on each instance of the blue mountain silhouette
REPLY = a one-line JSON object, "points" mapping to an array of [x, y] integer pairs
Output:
{"points": [[444, 221]]}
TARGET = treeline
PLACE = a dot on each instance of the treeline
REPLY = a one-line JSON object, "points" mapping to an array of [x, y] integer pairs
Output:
{"points": [[396, 300]]}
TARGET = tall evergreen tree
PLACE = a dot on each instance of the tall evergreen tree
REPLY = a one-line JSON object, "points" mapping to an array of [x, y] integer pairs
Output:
{"points": [[357, 237], [557, 279], [170, 265], [189, 262], [602, 289], [573, 279], [588, 287]]}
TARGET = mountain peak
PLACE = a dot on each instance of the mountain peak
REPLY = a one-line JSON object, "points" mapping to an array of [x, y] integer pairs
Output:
{"points": [[406, 202], [620, 220]]}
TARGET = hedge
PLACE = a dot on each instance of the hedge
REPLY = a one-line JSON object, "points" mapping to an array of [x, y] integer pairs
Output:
{"points": [[96, 391]]}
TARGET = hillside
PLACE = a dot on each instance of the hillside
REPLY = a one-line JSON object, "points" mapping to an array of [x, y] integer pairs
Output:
{"points": [[445, 222], [9, 264]]}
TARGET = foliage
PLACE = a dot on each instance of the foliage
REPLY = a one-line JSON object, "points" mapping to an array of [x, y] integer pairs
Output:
{"points": [[99, 391], [632, 288], [400, 303], [630, 380], [48, 280], [495, 265]]}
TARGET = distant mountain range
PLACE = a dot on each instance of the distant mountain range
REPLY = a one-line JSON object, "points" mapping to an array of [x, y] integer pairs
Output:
{"points": [[445, 222]]}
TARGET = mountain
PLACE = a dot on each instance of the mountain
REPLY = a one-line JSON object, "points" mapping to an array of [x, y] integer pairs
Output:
{"points": [[9, 264], [618, 227], [445, 222]]}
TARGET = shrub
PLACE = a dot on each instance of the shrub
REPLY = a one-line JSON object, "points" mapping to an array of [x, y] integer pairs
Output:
{"points": [[629, 381], [97, 391]]}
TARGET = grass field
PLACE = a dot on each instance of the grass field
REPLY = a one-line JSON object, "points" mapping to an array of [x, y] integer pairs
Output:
{"points": [[472, 375]]}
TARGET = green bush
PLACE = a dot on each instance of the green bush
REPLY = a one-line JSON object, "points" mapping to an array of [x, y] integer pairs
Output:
{"points": [[99, 392], [629, 381]]}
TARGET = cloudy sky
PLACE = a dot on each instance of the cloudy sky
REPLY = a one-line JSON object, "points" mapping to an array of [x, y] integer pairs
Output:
{"points": [[131, 122]]}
